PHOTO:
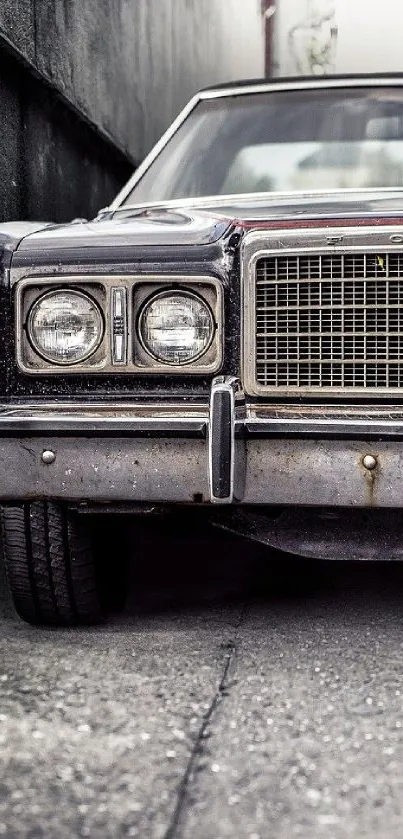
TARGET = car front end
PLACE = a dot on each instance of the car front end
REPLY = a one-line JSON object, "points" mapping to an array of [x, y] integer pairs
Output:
{"points": [[240, 354]]}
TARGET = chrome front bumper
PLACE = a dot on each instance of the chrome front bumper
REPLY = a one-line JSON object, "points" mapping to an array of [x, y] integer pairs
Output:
{"points": [[223, 453]]}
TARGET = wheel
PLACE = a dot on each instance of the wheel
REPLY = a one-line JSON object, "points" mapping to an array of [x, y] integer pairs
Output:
{"points": [[49, 564]]}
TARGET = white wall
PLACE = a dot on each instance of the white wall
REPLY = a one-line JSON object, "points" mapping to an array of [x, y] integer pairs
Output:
{"points": [[370, 36], [342, 36]]}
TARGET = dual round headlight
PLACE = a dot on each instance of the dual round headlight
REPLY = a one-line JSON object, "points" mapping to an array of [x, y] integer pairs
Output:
{"points": [[67, 326], [176, 327]]}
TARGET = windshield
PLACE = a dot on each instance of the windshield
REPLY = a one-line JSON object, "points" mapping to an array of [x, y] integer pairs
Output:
{"points": [[281, 142]]}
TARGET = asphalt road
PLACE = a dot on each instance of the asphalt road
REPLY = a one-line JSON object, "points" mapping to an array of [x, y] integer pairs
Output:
{"points": [[238, 696]]}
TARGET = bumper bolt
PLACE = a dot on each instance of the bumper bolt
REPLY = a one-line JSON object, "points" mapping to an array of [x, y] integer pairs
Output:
{"points": [[48, 456], [369, 461]]}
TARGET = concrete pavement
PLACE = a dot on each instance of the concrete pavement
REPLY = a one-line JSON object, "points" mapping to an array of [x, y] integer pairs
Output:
{"points": [[231, 699]]}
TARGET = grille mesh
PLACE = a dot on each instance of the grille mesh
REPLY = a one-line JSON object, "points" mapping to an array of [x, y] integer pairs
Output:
{"points": [[330, 321]]}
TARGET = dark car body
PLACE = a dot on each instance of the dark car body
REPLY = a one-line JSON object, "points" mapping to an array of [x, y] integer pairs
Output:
{"points": [[273, 445]]}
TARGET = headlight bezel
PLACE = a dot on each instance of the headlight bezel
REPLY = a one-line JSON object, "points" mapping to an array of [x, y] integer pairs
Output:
{"points": [[64, 291], [172, 292], [103, 288]]}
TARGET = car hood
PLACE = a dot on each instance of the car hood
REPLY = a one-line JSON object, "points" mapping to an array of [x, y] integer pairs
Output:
{"points": [[141, 227], [204, 221]]}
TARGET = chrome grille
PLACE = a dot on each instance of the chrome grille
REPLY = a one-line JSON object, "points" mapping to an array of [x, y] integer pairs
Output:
{"points": [[329, 321]]}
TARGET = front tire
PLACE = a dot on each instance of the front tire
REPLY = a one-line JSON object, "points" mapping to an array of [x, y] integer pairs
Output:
{"points": [[49, 564]]}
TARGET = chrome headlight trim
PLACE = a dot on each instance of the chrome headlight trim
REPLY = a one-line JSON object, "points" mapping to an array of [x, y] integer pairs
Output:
{"points": [[73, 292], [178, 292], [102, 288]]}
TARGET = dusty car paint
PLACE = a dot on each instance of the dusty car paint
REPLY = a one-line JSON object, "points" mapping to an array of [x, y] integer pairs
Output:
{"points": [[279, 451]]}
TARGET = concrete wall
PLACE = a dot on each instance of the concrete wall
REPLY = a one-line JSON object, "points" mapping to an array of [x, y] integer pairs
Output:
{"points": [[53, 166], [131, 65]]}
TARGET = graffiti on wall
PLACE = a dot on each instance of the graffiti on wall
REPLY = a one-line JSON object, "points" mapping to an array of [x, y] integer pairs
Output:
{"points": [[312, 40]]}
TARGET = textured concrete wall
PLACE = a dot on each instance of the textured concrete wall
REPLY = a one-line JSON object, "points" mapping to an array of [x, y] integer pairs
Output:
{"points": [[131, 65], [53, 166], [127, 67]]}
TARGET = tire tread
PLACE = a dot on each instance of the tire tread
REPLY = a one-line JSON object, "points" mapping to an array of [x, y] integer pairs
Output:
{"points": [[49, 564]]}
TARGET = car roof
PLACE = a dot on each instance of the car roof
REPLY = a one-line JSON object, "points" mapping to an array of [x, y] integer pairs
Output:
{"points": [[321, 80]]}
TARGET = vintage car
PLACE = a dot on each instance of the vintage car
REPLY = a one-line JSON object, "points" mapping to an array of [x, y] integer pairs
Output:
{"points": [[227, 335]]}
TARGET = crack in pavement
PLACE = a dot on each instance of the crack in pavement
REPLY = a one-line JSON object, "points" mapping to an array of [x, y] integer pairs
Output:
{"points": [[197, 750]]}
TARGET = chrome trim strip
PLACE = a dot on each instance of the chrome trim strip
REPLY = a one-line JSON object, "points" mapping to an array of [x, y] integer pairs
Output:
{"points": [[240, 90], [106, 426], [320, 428], [111, 408], [313, 83], [333, 411]]}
